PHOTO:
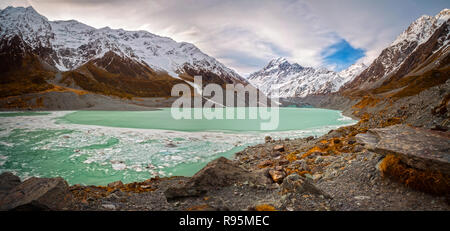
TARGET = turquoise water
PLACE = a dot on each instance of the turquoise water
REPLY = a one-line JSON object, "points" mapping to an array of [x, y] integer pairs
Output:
{"points": [[98, 147], [289, 119]]}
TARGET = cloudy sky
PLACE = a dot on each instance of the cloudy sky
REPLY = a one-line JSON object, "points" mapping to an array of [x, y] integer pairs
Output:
{"points": [[246, 34]]}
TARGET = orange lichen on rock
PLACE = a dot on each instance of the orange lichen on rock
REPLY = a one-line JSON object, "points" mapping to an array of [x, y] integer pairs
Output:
{"points": [[366, 101], [332, 146], [427, 181], [290, 171], [265, 164], [365, 117], [311, 151], [265, 207], [291, 157], [391, 121], [413, 85]]}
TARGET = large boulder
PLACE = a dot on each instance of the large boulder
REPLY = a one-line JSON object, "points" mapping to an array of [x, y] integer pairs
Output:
{"points": [[224, 172], [38, 194], [279, 148], [297, 184], [417, 147], [221, 172], [277, 175], [7, 182]]}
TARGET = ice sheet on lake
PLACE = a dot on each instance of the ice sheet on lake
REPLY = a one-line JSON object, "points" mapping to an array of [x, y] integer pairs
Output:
{"points": [[158, 152]]}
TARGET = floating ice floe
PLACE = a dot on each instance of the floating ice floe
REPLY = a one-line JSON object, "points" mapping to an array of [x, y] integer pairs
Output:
{"points": [[136, 151]]}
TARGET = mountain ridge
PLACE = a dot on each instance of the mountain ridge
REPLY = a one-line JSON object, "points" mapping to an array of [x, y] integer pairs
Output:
{"points": [[298, 81], [406, 45], [422, 47], [66, 46]]}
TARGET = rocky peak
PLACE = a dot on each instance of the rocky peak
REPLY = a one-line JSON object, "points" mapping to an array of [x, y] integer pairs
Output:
{"points": [[280, 66], [293, 80], [277, 61], [25, 22], [408, 44], [443, 16], [67, 45], [20, 16], [351, 72], [422, 29]]}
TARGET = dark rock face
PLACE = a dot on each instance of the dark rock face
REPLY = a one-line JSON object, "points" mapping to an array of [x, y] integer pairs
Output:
{"points": [[377, 70], [423, 53], [12, 53], [38, 194], [407, 57], [218, 173], [223, 172], [7, 182], [419, 148], [210, 77]]}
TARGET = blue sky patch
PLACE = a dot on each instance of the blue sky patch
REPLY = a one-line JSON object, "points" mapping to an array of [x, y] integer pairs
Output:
{"points": [[341, 55]]}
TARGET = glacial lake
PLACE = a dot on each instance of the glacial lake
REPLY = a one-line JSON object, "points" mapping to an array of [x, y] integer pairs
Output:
{"points": [[99, 147]]}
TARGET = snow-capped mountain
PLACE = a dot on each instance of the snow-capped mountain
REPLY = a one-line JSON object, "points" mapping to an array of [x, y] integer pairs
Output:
{"points": [[424, 38], [423, 28], [351, 72], [68, 45], [293, 80], [423, 46]]}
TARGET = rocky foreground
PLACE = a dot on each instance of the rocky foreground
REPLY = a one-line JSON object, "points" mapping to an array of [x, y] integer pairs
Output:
{"points": [[339, 171], [397, 157]]}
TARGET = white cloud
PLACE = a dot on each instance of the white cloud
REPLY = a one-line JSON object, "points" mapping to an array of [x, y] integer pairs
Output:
{"points": [[372, 25], [245, 34]]}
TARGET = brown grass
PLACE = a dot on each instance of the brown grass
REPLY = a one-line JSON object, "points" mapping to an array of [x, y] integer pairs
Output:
{"points": [[92, 85], [198, 207], [121, 84], [57, 88], [291, 157], [427, 181], [290, 171], [332, 146], [30, 77], [265, 207], [413, 85], [366, 101]]}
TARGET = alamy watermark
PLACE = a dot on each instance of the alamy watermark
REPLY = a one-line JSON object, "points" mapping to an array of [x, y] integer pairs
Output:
{"points": [[241, 102]]}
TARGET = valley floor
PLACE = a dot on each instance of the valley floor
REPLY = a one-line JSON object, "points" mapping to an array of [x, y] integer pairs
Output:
{"points": [[337, 171], [256, 179]]}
